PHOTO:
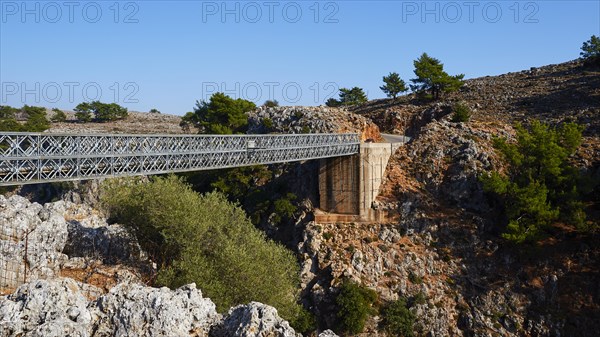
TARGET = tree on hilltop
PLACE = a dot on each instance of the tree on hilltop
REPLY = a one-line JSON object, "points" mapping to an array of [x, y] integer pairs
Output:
{"points": [[220, 115], [432, 78], [393, 85], [590, 51], [102, 112], [352, 96]]}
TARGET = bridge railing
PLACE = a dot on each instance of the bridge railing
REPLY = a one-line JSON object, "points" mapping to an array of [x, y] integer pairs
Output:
{"points": [[41, 157]]}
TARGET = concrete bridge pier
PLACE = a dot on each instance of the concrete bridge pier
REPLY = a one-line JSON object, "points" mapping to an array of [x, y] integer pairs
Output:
{"points": [[349, 185]]}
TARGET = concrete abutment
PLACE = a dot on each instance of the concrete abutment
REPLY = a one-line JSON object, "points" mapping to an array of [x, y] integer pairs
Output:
{"points": [[349, 185]]}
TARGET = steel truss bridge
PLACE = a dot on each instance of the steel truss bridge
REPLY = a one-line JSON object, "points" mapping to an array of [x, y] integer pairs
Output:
{"points": [[27, 158]]}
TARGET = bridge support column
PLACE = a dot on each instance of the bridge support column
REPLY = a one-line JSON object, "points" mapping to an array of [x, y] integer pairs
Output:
{"points": [[339, 184], [349, 185]]}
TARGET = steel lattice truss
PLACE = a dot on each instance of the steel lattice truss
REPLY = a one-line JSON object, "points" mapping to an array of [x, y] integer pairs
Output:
{"points": [[27, 158]]}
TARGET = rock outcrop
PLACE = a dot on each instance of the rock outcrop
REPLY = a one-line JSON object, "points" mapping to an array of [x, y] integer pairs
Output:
{"points": [[58, 307], [300, 119], [32, 238], [43, 308], [254, 320], [37, 241], [41, 243], [133, 309]]}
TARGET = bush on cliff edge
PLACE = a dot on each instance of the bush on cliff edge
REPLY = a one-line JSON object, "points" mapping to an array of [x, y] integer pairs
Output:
{"points": [[207, 240]]}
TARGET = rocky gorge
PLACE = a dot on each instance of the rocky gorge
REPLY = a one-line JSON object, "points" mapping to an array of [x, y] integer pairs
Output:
{"points": [[442, 251]]}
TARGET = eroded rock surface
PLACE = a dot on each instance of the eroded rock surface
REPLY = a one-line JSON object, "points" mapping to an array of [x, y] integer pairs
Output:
{"points": [[254, 320], [58, 307], [32, 238], [133, 309], [301, 119], [44, 308]]}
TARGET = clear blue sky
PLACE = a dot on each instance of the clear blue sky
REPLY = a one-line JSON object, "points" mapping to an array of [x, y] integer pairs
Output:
{"points": [[168, 54]]}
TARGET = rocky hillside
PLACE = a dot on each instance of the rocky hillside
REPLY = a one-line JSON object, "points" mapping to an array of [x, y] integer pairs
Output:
{"points": [[555, 93], [262, 120], [444, 252], [136, 122]]}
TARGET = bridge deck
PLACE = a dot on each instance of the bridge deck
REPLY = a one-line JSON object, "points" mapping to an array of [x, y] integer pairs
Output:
{"points": [[27, 158]]}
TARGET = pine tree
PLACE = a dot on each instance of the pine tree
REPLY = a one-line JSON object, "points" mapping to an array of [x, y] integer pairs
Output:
{"points": [[393, 85], [432, 78], [352, 96], [540, 185], [221, 114], [590, 51]]}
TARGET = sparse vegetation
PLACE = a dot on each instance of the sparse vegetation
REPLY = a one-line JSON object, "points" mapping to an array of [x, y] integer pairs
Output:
{"points": [[154, 111], [355, 305], [414, 278], [419, 299], [540, 185], [461, 113]]}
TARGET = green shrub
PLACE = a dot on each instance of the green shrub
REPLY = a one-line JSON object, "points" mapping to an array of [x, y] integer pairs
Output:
{"points": [[207, 240], [154, 111], [83, 116], [414, 278], [354, 304], [8, 121], [541, 185], [59, 116], [271, 103], [419, 299], [397, 319], [304, 322], [283, 208], [462, 113], [267, 123], [333, 103]]}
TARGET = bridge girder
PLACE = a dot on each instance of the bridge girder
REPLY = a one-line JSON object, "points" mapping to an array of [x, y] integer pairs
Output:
{"points": [[27, 158]]}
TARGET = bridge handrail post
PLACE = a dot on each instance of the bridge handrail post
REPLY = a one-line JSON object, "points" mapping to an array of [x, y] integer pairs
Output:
{"points": [[38, 141]]}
